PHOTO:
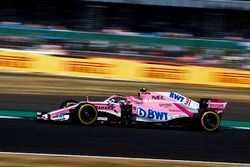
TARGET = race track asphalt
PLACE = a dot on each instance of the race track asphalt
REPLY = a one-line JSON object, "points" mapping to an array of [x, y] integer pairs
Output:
{"points": [[227, 145], [235, 111]]}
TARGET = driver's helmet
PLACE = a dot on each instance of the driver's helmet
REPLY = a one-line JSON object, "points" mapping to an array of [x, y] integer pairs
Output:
{"points": [[143, 89]]}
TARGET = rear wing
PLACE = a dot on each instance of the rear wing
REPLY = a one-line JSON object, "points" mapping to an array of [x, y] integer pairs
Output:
{"points": [[217, 105]]}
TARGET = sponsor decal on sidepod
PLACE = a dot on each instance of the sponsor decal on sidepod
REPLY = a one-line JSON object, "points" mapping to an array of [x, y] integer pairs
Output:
{"points": [[165, 105], [176, 97], [104, 107], [152, 114]]}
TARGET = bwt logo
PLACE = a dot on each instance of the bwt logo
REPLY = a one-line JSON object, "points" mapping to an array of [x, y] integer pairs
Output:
{"points": [[60, 116], [151, 114], [176, 96]]}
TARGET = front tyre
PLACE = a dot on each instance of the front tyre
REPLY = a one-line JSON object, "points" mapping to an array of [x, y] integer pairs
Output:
{"points": [[210, 121], [85, 114]]}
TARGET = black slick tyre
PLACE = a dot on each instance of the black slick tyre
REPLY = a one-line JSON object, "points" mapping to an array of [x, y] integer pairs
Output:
{"points": [[210, 121], [85, 114]]}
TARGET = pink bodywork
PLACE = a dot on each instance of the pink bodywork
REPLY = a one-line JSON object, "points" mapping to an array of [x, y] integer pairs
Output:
{"points": [[152, 106], [149, 106]]}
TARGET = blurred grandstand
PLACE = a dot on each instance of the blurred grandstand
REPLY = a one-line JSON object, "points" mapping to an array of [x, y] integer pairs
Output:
{"points": [[200, 32]]}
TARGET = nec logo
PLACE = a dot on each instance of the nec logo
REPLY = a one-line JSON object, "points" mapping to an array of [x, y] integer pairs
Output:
{"points": [[176, 96], [158, 98], [152, 114]]}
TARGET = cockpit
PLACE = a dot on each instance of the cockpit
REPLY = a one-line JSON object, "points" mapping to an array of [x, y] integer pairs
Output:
{"points": [[116, 99]]}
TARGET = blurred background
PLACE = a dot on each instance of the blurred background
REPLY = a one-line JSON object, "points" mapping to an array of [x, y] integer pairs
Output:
{"points": [[198, 32], [53, 50]]}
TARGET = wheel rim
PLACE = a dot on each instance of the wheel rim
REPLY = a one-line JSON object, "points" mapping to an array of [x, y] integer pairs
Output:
{"points": [[210, 121], [87, 114]]}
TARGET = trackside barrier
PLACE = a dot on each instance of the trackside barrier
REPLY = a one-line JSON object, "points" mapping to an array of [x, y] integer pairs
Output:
{"points": [[220, 77], [122, 69], [96, 67]]}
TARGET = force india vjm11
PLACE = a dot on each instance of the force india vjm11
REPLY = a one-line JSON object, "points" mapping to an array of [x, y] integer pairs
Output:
{"points": [[157, 108]]}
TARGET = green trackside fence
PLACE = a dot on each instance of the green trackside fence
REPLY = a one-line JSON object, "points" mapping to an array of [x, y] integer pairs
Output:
{"points": [[89, 36]]}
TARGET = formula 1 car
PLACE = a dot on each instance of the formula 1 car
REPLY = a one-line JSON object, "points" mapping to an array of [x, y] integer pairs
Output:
{"points": [[156, 108]]}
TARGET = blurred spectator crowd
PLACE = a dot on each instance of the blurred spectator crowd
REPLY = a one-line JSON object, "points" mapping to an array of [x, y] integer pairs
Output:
{"points": [[154, 54], [132, 20]]}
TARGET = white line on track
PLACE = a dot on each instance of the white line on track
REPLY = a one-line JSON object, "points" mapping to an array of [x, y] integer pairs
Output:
{"points": [[11, 117], [125, 158], [245, 128]]}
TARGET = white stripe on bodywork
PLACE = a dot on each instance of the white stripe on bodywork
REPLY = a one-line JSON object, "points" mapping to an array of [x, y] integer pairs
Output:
{"points": [[193, 107], [60, 110]]}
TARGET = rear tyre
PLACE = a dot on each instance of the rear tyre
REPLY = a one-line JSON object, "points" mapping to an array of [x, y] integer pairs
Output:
{"points": [[85, 114], [68, 103], [210, 121]]}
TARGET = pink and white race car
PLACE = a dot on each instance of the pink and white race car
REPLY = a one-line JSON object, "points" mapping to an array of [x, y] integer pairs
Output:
{"points": [[156, 108]]}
